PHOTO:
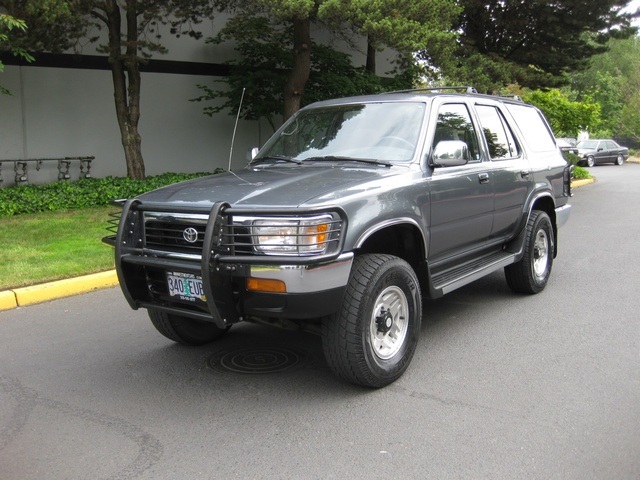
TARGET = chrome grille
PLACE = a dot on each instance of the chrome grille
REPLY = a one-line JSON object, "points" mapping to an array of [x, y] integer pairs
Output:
{"points": [[167, 232]]}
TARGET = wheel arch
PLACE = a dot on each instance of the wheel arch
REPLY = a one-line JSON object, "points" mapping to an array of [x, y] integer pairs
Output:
{"points": [[546, 203], [400, 237]]}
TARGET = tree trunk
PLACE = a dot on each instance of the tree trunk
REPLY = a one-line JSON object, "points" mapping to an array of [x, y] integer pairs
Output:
{"points": [[297, 78], [125, 71], [371, 57]]}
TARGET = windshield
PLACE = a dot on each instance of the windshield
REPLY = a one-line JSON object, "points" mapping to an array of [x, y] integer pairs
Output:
{"points": [[386, 132], [587, 145]]}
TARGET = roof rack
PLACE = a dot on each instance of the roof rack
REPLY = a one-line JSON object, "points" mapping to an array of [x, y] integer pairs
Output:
{"points": [[517, 98], [461, 89]]}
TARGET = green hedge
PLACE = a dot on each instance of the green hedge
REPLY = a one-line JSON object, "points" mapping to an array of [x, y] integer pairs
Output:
{"points": [[88, 192]]}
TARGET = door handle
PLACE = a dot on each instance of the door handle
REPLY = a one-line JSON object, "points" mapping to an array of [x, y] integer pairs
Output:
{"points": [[525, 173], [483, 177]]}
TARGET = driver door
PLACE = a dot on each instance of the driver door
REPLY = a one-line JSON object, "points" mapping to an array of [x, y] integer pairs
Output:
{"points": [[462, 197]]}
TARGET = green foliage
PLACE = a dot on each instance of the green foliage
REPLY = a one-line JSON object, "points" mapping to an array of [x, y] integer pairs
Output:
{"points": [[403, 25], [580, 173], [264, 47], [567, 118], [572, 158], [10, 24], [534, 43], [613, 81], [53, 25], [89, 192]]}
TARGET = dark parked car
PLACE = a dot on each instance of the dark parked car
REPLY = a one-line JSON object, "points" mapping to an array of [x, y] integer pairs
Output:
{"points": [[595, 152], [566, 147]]}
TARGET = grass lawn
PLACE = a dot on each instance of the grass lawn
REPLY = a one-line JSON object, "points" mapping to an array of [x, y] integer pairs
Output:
{"points": [[42, 247]]}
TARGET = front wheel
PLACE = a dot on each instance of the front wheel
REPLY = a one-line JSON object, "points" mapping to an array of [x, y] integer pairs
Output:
{"points": [[531, 273], [372, 339], [185, 330], [591, 161]]}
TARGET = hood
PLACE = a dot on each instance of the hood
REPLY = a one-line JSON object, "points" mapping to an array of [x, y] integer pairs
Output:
{"points": [[585, 150], [269, 186]]}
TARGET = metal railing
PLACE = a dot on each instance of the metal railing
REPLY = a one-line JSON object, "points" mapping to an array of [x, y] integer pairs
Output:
{"points": [[21, 167]]}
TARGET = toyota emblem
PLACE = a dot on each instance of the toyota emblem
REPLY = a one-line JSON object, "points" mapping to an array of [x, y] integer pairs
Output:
{"points": [[190, 235]]}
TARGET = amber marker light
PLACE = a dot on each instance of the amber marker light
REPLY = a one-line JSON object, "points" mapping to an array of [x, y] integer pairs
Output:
{"points": [[266, 285]]}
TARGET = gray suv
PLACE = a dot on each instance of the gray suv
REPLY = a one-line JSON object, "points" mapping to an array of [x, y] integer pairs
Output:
{"points": [[348, 217]]}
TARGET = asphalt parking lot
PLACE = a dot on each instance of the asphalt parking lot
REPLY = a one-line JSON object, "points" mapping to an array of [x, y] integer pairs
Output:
{"points": [[502, 386]]}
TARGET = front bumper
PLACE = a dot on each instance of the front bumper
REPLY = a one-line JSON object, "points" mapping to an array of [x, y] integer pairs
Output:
{"points": [[313, 286]]}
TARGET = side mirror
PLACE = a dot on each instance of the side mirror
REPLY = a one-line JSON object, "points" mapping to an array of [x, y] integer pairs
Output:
{"points": [[450, 153], [251, 154]]}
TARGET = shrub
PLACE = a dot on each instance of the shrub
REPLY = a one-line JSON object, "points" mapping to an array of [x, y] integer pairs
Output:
{"points": [[580, 173], [572, 158], [87, 192]]}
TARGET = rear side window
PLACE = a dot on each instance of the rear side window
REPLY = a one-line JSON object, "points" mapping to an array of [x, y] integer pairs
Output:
{"points": [[500, 139], [534, 127]]}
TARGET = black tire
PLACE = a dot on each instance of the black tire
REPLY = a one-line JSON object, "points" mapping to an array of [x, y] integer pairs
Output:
{"points": [[373, 337], [591, 161], [531, 273], [619, 160], [187, 331]]}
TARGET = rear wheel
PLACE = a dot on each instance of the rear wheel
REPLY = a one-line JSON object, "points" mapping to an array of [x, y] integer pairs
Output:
{"points": [[372, 339], [619, 160], [531, 273], [187, 331]]}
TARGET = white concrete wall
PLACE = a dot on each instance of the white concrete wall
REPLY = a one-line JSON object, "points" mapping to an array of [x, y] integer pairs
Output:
{"points": [[56, 112]]}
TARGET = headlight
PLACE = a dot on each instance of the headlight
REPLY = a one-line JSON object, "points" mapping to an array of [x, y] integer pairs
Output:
{"points": [[282, 236]]}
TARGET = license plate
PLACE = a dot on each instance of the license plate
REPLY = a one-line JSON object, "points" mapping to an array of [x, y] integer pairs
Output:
{"points": [[185, 286]]}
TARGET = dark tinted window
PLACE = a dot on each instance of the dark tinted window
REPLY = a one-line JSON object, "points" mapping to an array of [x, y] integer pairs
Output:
{"points": [[454, 123], [500, 139], [537, 134]]}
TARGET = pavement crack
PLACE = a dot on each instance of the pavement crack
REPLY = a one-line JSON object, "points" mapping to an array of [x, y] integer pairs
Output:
{"points": [[150, 449]]}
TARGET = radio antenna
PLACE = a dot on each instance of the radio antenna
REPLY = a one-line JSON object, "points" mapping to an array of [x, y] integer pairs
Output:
{"points": [[235, 128], [233, 140]]}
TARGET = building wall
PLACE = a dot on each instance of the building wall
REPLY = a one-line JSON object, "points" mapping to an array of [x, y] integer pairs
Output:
{"points": [[56, 112]]}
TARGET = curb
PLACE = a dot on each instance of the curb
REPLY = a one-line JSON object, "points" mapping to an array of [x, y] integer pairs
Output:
{"points": [[582, 183], [21, 297]]}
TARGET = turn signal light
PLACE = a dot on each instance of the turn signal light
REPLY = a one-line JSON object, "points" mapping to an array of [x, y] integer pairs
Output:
{"points": [[266, 285]]}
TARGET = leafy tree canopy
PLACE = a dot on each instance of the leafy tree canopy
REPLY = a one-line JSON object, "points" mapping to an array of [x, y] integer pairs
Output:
{"points": [[265, 59], [7, 25], [404, 25], [613, 81], [533, 42], [274, 43], [567, 117]]}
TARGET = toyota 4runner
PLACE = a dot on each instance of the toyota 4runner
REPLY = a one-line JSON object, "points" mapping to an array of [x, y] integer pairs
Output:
{"points": [[347, 217]]}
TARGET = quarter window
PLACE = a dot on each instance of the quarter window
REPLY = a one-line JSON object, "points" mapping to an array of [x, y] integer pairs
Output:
{"points": [[530, 120], [500, 139]]}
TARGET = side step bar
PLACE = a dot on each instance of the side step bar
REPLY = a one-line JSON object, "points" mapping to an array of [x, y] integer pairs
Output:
{"points": [[449, 280]]}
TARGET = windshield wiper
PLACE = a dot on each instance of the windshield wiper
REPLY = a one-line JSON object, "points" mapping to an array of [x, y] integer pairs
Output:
{"points": [[334, 158], [282, 158]]}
